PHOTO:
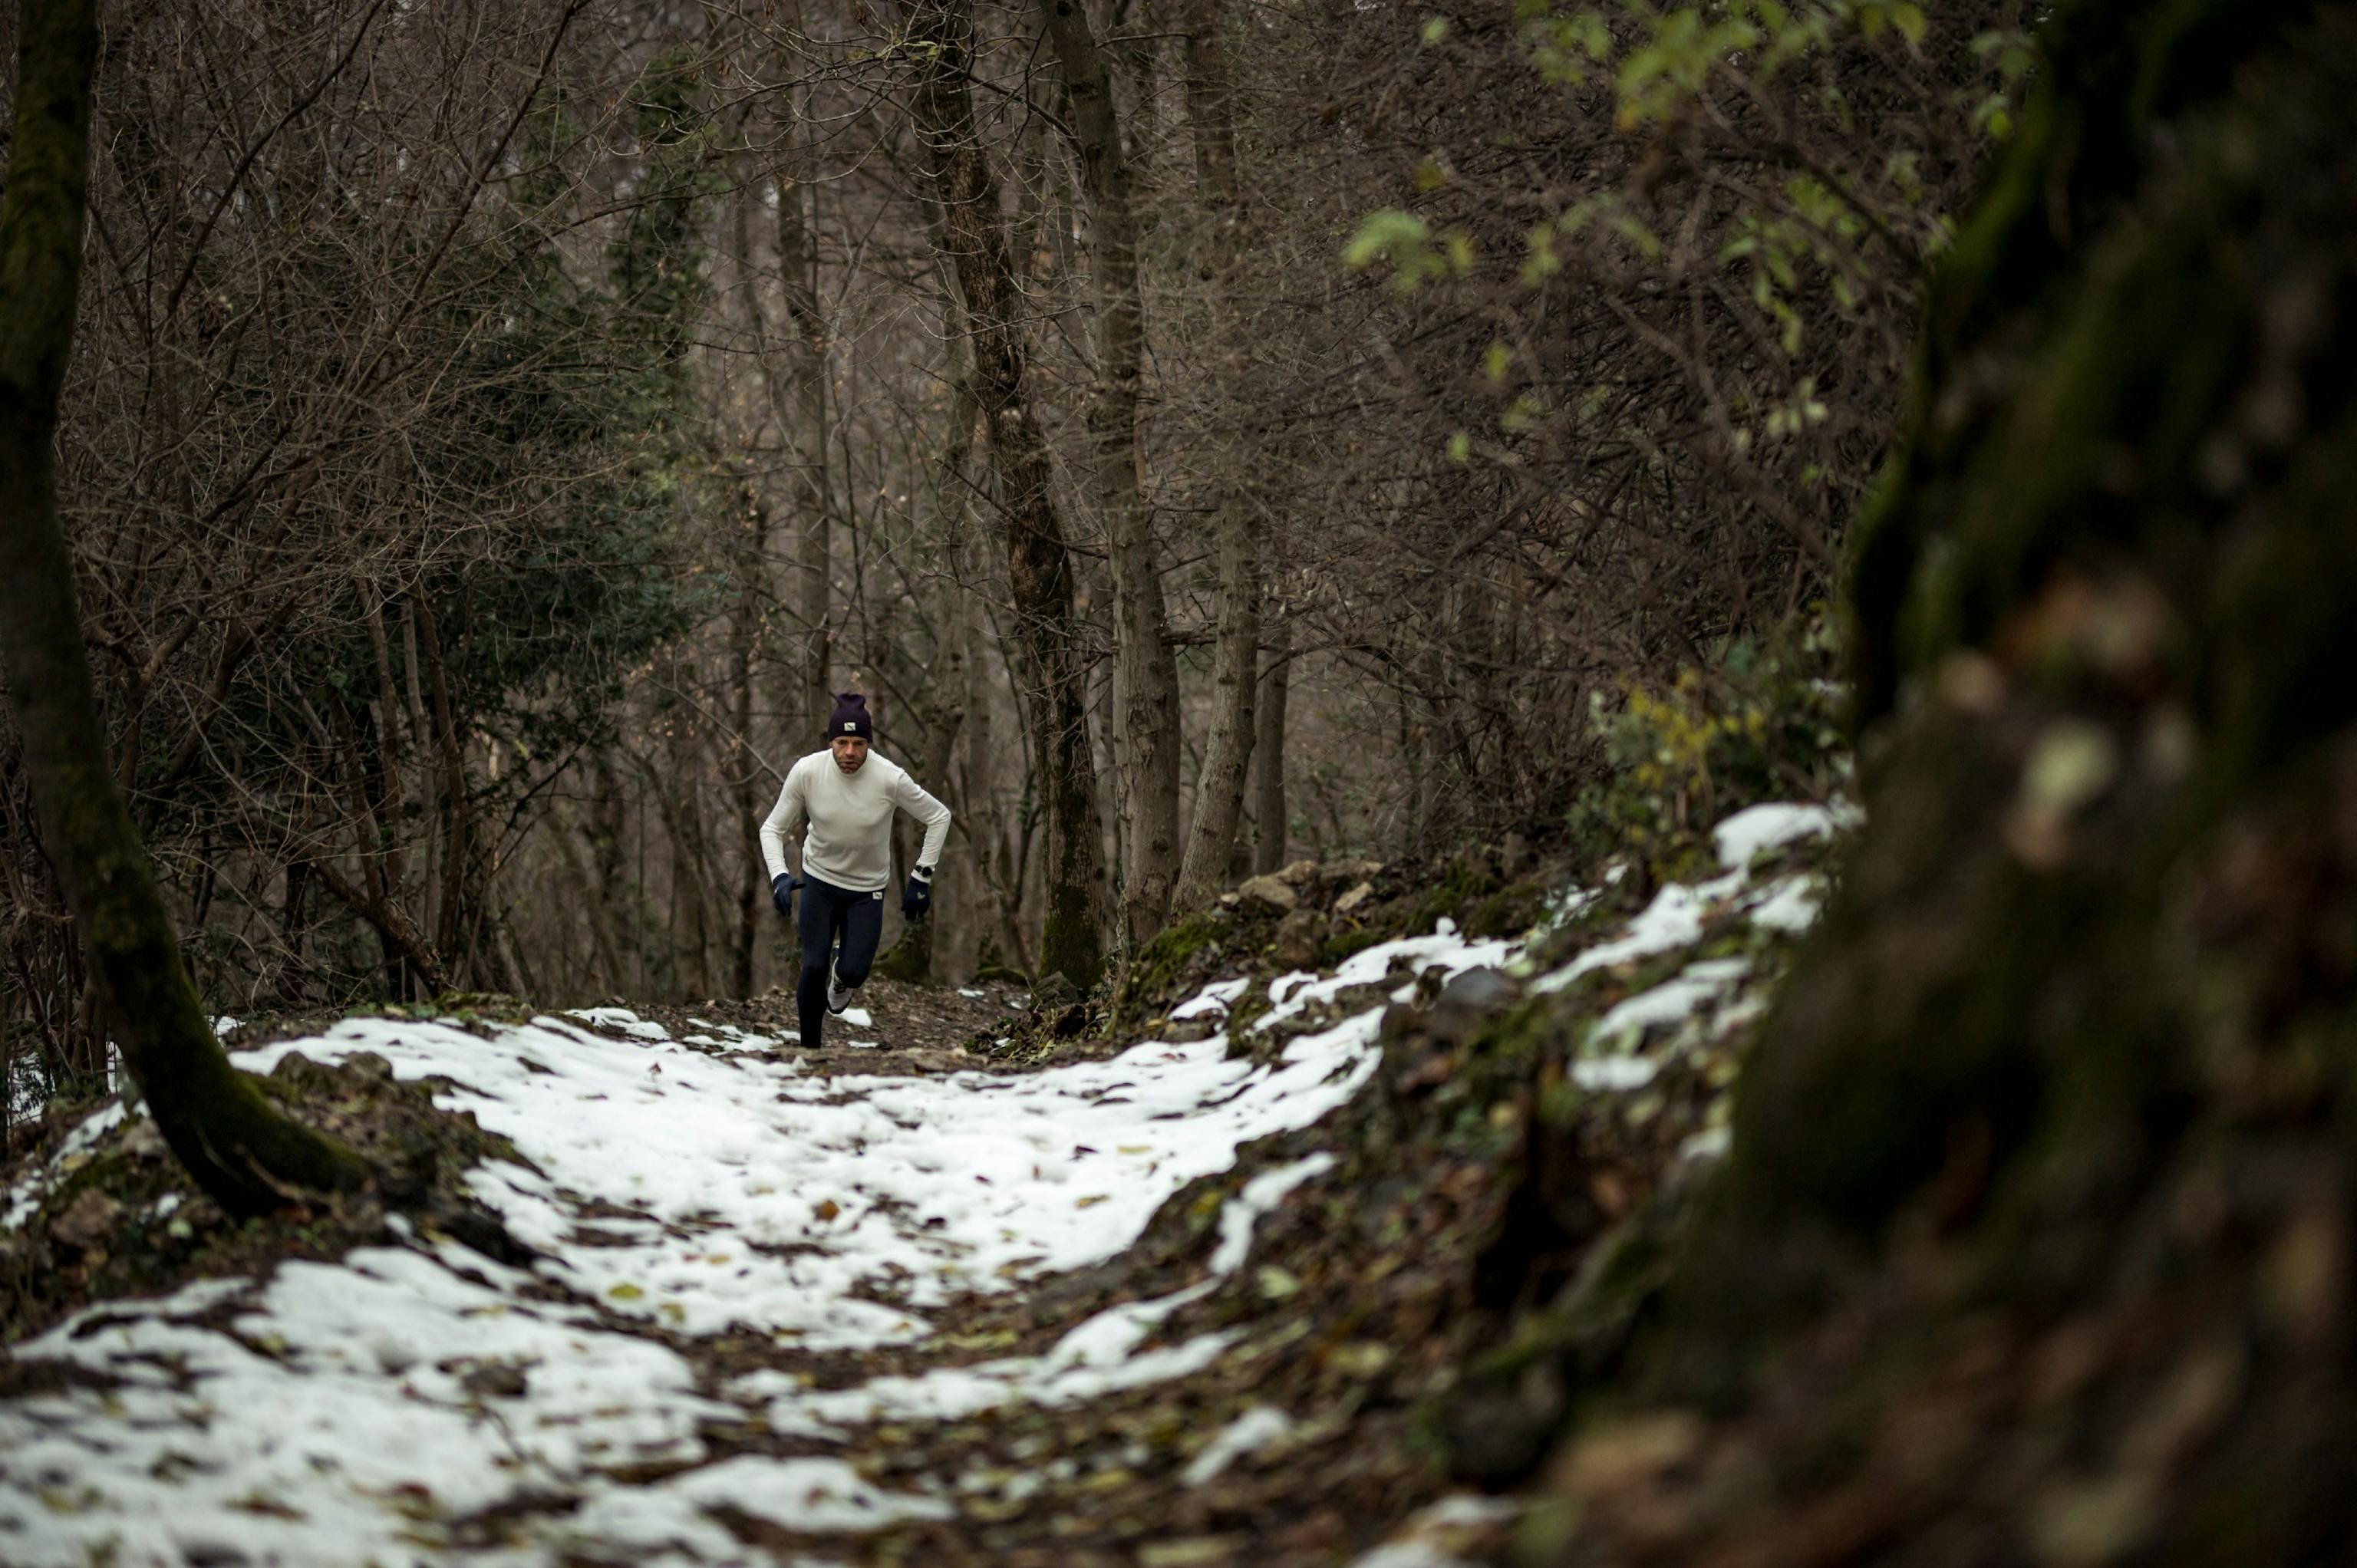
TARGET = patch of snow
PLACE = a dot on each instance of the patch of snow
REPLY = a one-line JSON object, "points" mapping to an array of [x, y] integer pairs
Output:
{"points": [[1789, 905], [1671, 1001], [1285, 984], [621, 1020], [1462, 1509], [969, 1181], [1426, 1540], [858, 1018], [339, 1402], [1444, 950], [1255, 1429], [1260, 1195], [26, 1196], [809, 1494], [1710, 1144], [1614, 1074], [1410, 1554], [1217, 997], [1673, 919], [1566, 905], [224, 1024], [1097, 1357], [1756, 830], [971, 990]]}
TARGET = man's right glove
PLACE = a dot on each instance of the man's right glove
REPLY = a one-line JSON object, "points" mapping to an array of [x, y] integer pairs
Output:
{"points": [[782, 893]]}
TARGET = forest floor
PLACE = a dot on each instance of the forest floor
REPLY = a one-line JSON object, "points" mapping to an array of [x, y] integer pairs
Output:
{"points": [[1188, 1299]]}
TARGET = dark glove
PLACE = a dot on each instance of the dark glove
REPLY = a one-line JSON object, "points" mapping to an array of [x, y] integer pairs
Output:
{"points": [[782, 893], [917, 897]]}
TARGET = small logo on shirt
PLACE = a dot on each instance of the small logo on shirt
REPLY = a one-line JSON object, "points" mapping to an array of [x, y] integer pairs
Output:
{"points": [[877, 894]]}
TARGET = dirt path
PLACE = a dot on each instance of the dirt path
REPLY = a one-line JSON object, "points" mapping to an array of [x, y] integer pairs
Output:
{"points": [[1172, 1304], [869, 1303]]}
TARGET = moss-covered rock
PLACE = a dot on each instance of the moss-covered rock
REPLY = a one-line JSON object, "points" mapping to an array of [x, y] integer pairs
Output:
{"points": [[1153, 980]]}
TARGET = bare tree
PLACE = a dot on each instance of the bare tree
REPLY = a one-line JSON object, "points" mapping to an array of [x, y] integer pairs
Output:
{"points": [[246, 1154], [1144, 674], [1039, 566], [1228, 740]]}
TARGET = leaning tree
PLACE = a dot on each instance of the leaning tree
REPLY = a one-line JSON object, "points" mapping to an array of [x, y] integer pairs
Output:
{"points": [[239, 1149]]}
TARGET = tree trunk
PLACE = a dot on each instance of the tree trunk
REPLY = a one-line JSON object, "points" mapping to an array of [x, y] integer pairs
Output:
{"points": [[390, 790], [1269, 819], [241, 1151], [1039, 569], [607, 829], [988, 833], [690, 855], [2063, 1089], [746, 780], [911, 957], [450, 924], [1236, 655], [798, 403], [393, 927], [597, 904], [1146, 672]]}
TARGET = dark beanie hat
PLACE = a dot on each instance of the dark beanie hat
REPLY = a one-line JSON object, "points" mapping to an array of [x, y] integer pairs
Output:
{"points": [[850, 717]]}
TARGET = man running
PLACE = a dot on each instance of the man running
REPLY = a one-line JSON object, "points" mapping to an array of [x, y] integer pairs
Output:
{"points": [[846, 796]]}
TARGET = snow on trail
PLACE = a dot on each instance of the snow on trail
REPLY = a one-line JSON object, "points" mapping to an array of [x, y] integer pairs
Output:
{"points": [[420, 1403], [359, 1411]]}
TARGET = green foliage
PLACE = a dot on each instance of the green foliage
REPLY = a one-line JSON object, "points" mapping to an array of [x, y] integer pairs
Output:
{"points": [[1760, 722], [1416, 255], [1823, 223], [1657, 59]]}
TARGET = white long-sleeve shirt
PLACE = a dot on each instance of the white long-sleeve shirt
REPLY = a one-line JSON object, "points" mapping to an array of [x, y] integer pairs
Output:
{"points": [[849, 819]]}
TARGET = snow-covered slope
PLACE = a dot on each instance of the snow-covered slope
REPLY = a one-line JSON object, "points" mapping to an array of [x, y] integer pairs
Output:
{"points": [[421, 1402]]}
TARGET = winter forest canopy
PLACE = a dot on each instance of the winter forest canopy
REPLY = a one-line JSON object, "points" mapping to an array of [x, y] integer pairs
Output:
{"points": [[1644, 714], [495, 433]]}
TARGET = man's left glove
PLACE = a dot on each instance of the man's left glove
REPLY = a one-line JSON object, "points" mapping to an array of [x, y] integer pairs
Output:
{"points": [[917, 897]]}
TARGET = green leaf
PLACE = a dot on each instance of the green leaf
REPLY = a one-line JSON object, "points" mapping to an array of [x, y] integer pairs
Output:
{"points": [[1382, 235], [1435, 29], [1544, 262]]}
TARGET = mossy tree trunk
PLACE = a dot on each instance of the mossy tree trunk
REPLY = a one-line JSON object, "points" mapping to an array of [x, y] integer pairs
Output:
{"points": [[239, 1149], [2075, 1045]]}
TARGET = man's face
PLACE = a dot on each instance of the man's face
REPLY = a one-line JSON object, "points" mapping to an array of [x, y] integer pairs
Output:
{"points": [[850, 752]]}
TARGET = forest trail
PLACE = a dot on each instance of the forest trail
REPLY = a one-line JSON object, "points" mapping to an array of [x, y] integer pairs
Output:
{"points": [[865, 1304]]}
